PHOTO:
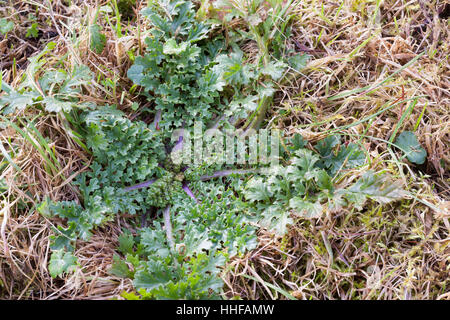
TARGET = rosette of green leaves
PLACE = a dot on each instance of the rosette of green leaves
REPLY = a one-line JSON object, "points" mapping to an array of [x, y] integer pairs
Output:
{"points": [[307, 186], [176, 69], [206, 235], [124, 153]]}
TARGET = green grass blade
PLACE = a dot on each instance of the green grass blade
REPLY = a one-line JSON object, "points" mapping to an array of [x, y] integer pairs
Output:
{"points": [[390, 106], [8, 158], [404, 115], [44, 143], [271, 286], [27, 137], [372, 87]]}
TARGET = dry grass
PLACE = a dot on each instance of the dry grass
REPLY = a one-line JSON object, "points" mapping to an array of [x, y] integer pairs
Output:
{"points": [[400, 251], [397, 252], [24, 238]]}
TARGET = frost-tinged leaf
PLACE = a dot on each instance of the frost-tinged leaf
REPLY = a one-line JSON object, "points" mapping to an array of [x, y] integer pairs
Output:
{"points": [[52, 78], [266, 91], [172, 47], [16, 101], [66, 238], [195, 241], [198, 33], [242, 106], [254, 19], [6, 26], [55, 105], [305, 159], [299, 61], [232, 68], [81, 75], [378, 187], [306, 209], [408, 143], [276, 219], [274, 69], [257, 190], [136, 71], [61, 262]]}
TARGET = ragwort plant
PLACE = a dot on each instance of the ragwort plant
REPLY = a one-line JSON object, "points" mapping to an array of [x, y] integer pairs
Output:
{"points": [[176, 70], [200, 224], [192, 245]]}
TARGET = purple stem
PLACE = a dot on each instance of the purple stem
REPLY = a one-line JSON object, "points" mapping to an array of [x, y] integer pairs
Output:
{"points": [[216, 125], [179, 145], [157, 119], [189, 192], [141, 185], [224, 173]]}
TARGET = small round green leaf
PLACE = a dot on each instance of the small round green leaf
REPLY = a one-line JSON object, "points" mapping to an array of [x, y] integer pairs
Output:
{"points": [[408, 143]]}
